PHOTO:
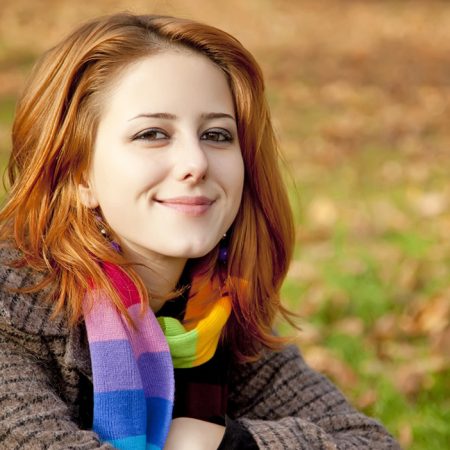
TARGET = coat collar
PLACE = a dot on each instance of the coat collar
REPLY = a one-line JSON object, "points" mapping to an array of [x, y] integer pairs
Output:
{"points": [[77, 355], [31, 313]]}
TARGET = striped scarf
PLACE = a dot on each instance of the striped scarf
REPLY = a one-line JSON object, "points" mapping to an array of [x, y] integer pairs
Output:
{"points": [[132, 367]]}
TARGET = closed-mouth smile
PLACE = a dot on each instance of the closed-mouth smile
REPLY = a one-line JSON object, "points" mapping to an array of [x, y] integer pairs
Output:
{"points": [[192, 206]]}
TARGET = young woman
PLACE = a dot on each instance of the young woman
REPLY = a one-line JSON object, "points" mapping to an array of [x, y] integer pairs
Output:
{"points": [[145, 238]]}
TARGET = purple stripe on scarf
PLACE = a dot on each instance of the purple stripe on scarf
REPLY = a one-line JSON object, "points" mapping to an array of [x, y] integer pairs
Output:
{"points": [[114, 357], [156, 370]]}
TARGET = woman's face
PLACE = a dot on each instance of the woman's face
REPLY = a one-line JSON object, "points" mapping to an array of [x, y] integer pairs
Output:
{"points": [[167, 170]]}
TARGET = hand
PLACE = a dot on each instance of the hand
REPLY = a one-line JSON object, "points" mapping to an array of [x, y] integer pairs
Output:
{"points": [[193, 434]]}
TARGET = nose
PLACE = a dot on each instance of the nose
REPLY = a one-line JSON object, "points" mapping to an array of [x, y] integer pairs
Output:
{"points": [[191, 161]]}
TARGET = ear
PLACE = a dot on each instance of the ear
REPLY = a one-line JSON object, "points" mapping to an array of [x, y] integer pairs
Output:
{"points": [[87, 196]]}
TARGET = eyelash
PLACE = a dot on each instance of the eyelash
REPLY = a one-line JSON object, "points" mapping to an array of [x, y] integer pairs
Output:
{"points": [[145, 135], [221, 135]]}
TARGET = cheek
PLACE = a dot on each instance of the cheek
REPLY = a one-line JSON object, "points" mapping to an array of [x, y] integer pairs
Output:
{"points": [[236, 173], [126, 175], [231, 173]]}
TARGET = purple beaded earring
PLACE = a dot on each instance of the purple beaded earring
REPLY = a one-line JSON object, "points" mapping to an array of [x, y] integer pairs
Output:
{"points": [[223, 250], [115, 245]]}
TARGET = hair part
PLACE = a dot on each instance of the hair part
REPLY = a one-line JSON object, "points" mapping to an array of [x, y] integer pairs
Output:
{"points": [[52, 143]]}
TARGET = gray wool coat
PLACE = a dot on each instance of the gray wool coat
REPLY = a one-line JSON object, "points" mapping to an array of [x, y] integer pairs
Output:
{"points": [[45, 388]]}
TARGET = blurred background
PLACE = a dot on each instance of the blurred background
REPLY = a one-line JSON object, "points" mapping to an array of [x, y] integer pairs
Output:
{"points": [[360, 95]]}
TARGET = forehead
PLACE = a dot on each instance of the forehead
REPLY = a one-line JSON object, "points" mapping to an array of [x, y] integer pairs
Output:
{"points": [[174, 80]]}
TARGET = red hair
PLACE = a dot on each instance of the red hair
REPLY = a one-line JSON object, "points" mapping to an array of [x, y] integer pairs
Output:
{"points": [[52, 142]]}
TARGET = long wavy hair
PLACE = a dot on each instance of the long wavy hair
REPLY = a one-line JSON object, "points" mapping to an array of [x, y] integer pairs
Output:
{"points": [[52, 142]]}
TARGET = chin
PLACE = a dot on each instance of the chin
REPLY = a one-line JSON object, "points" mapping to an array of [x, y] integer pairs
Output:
{"points": [[194, 255], [196, 247], [195, 252]]}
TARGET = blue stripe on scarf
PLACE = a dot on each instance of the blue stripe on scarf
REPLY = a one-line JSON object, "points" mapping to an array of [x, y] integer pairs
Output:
{"points": [[159, 418], [113, 418]]}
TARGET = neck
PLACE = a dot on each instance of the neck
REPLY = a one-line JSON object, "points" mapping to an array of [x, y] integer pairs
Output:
{"points": [[160, 274]]}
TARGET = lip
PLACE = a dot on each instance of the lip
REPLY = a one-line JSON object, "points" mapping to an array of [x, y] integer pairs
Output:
{"points": [[192, 206]]}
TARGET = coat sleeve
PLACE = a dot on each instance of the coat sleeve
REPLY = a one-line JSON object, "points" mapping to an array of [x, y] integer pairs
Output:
{"points": [[32, 414], [285, 404]]}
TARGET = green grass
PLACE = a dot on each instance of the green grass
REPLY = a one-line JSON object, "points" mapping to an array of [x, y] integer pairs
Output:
{"points": [[7, 105], [360, 276]]}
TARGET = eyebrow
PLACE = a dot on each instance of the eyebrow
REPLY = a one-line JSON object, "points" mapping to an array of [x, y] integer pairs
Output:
{"points": [[168, 116]]}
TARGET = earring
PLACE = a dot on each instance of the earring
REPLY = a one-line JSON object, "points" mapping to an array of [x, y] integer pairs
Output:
{"points": [[223, 250], [115, 245]]}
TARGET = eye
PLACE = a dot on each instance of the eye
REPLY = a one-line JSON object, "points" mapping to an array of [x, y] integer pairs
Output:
{"points": [[151, 134], [217, 135]]}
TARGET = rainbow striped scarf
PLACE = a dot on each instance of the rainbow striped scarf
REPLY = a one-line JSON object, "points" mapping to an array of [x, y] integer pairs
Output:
{"points": [[132, 367]]}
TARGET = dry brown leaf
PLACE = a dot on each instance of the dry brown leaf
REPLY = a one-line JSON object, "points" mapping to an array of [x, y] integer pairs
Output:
{"points": [[430, 204], [440, 344], [322, 212], [303, 271], [405, 435], [326, 362], [409, 379], [309, 335], [434, 315], [367, 399], [350, 326], [386, 327]]}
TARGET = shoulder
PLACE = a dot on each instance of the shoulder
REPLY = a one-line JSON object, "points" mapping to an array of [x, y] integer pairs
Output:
{"points": [[25, 311], [271, 368], [281, 362], [276, 378]]}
